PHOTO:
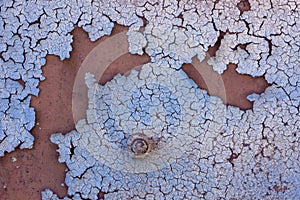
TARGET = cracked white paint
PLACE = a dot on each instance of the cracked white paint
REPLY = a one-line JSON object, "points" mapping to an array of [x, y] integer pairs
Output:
{"points": [[266, 149], [157, 101], [250, 154]]}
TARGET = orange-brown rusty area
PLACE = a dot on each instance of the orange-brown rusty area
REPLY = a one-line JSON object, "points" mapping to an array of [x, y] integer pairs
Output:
{"points": [[243, 6], [38, 168], [237, 86]]}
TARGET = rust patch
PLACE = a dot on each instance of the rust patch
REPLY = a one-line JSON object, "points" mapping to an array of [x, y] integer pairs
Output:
{"points": [[243, 6], [276, 188], [237, 86]]}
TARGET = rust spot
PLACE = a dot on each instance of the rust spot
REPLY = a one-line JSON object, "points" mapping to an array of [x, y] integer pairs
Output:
{"points": [[285, 188], [276, 188], [237, 86], [122, 65], [180, 16], [243, 6], [243, 46], [100, 195]]}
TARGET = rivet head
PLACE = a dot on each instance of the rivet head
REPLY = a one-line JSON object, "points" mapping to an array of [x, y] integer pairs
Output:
{"points": [[139, 145]]}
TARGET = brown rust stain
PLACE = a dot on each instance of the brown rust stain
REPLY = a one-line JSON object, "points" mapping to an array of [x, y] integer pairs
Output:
{"points": [[243, 6], [122, 65], [237, 86]]}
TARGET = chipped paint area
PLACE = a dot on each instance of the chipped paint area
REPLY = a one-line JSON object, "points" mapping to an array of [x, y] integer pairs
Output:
{"points": [[242, 154]]}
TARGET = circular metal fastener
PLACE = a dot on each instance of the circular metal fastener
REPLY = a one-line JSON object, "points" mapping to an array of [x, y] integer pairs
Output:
{"points": [[139, 145]]}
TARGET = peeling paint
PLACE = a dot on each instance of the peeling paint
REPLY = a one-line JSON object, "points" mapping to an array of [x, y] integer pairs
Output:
{"points": [[247, 154]]}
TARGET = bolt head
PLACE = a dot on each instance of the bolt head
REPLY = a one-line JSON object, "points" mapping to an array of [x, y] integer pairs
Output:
{"points": [[139, 146]]}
